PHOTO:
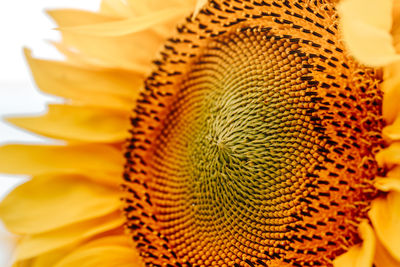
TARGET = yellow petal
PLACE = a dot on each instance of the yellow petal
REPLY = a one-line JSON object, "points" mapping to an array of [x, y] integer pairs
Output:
{"points": [[385, 217], [387, 184], [37, 205], [393, 131], [75, 17], [103, 256], [396, 25], [116, 8], [383, 257], [33, 245], [108, 251], [123, 52], [144, 7], [133, 8], [360, 255], [389, 156], [72, 56], [391, 182], [97, 87], [46, 259], [51, 258], [114, 240], [126, 26], [134, 46], [391, 90], [91, 159], [366, 26], [80, 123], [199, 6]]}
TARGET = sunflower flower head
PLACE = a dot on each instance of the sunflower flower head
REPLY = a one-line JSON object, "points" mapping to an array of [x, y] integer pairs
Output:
{"points": [[260, 135]]}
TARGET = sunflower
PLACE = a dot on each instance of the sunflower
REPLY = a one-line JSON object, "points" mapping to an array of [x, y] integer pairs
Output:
{"points": [[214, 133]]}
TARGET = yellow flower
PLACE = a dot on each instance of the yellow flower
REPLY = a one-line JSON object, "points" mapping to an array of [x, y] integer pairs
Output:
{"points": [[255, 138]]}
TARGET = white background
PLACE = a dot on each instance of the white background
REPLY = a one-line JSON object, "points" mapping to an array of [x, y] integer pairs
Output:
{"points": [[24, 23]]}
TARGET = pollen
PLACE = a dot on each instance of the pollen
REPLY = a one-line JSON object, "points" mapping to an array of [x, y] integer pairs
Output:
{"points": [[253, 141]]}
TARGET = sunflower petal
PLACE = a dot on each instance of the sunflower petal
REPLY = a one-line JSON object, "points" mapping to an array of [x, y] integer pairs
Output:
{"points": [[46, 259], [81, 123], [387, 184], [103, 256], [75, 17], [393, 131], [89, 159], [108, 251], [391, 89], [383, 257], [391, 182], [123, 52], [385, 217], [116, 8], [396, 25], [34, 206], [199, 6], [33, 245], [359, 255], [127, 26], [366, 30], [100, 87], [133, 8], [131, 48], [389, 156]]}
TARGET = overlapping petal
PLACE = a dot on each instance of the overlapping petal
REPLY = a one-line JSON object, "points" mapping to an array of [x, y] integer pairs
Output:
{"points": [[94, 160], [366, 29], [362, 254], [130, 43], [61, 200], [78, 123], [385, 217], [33, 245], [109, 88], [107, 251]]}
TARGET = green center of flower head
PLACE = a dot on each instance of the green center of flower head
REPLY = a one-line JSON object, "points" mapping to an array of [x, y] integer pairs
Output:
{"points": [[254, 141], [236, 129]]}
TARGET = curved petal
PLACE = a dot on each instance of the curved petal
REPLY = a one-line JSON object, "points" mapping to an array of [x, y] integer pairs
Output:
{"points": [[359, 255], [108, 251], [133, 8], [46, 259], [98, 87], [199, 6], [390, 182], [72, 56], [116, 8], [396, 25], [127, 26], [132, 48], [385, 217], [393, 131], [90, 159], [117, 237], [390, 156], [33, 245], [78, 123], [36, 206], [102, 256], [391, 88], [383, 257], [76, 17], [387, 184], [366, 29]]}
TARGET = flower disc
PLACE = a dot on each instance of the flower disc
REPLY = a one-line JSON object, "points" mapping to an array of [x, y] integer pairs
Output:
{"points": [[253, 143]]}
